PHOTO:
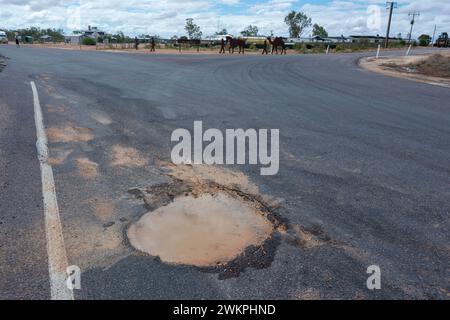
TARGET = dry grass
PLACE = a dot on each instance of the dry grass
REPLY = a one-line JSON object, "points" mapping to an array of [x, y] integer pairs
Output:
{"points": [[436, 65]]}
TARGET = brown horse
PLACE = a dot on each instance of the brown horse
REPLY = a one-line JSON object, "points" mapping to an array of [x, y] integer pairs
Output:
{"points": [[277, 42], [236, 43]]}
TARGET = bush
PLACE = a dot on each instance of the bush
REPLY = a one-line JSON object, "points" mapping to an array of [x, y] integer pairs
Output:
{"points": [[298, 46], [340, 47], [89, 42]]}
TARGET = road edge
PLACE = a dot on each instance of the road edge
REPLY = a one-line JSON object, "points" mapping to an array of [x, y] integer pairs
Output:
{"points": [[56, 250]]}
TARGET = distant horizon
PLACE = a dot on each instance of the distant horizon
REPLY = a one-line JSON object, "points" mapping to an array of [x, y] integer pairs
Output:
{"points": [[166, 18]]}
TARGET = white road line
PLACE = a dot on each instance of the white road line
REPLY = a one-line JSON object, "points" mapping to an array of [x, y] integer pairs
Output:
{"points": [[56, 251]]}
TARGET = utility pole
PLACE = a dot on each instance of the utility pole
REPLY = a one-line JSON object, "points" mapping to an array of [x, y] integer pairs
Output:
{"points": [[391, 5], [413, 14], [434, 35]]}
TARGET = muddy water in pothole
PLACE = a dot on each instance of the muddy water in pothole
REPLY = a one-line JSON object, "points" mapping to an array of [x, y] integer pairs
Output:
{"points": [[203, 231]]}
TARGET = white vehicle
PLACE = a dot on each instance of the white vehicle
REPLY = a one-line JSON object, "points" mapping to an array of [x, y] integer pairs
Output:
{"points": [[3, 37]]}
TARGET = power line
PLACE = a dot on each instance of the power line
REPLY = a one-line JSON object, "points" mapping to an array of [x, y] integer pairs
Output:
{"points": [[391, 5]]}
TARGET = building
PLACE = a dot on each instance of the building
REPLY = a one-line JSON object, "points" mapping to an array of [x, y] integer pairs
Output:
{"points": [[94, 32], [298, 40], [373, 39], [78, 36], [340, 39], [74, 38], [45, 38], [215, 39]]}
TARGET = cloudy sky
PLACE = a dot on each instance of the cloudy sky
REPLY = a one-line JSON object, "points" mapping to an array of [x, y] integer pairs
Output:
{"points": [[167, 17]]}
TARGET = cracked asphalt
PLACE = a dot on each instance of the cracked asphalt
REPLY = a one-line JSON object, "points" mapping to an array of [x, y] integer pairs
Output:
{"points": [[364, 171]]}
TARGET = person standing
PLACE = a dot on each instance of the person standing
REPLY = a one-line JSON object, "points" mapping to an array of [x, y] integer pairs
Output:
{"points": [[136, 43], [265, 48], [17, 40], [152, 42], [222, 47]]}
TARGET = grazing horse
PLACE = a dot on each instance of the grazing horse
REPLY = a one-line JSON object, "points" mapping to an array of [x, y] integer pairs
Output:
{"points": [[240, 43], [277, 42]]}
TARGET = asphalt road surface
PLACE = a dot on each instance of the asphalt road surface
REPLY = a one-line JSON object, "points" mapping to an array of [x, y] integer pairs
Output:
{"points": [[364, 172]]}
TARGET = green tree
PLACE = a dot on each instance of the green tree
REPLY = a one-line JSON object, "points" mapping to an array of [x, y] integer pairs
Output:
{"points": [[36, 33], [250, 31], [222, 32], [297, 23], [424, 40], [88, 42], [319, 31], [192, 29], [120, 37], [10, 35]]}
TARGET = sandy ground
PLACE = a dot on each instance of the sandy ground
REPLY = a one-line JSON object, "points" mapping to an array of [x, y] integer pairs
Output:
{"points": [[379, 65]]}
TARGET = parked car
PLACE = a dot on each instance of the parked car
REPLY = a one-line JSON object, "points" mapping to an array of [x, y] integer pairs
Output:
{"points": [[3, 37]]}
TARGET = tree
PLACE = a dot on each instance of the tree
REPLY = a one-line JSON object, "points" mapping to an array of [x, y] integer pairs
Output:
{"points": [[297, 23], [120, 37], [192, 29], [319, 31], [36, 33], [424, 40], [222, 32], [88, 41], [250, 31]]}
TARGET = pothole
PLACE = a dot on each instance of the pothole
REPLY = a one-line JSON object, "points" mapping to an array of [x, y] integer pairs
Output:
{"points": [[219, 229], [198, 222], [203, 231], [216, 220]]}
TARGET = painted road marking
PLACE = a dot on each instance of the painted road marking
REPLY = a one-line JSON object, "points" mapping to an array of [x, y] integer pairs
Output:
{"points": [[56, 251]]}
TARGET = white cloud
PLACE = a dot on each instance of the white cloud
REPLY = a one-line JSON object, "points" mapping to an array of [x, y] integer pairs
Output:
{"points": [[167, 17]]}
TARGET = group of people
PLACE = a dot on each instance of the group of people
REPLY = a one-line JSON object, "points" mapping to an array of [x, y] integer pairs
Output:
{"points": [[152, 44]]}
